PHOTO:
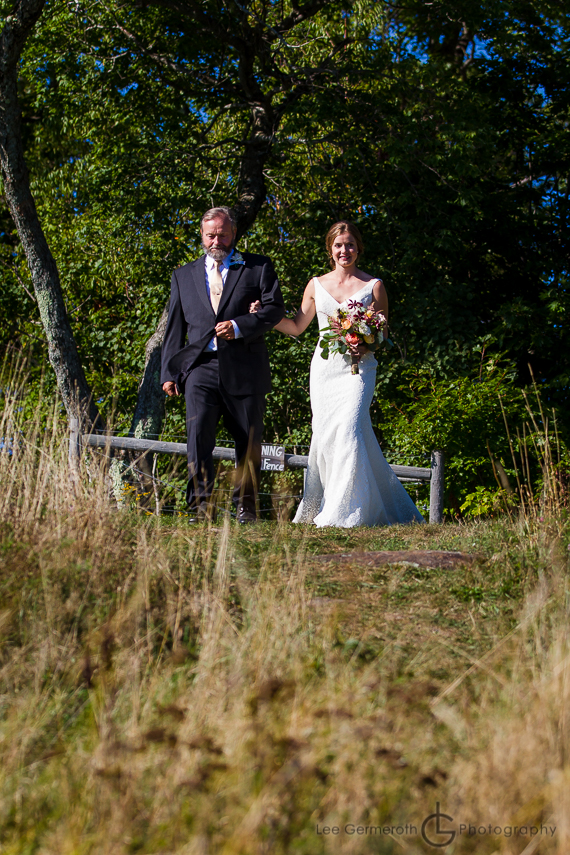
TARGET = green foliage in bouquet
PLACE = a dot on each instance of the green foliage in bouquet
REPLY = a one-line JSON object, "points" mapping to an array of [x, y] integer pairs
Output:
{"points": [[351, 328]]}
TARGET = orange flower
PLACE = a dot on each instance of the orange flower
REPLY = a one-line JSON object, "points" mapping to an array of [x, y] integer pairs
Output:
{"points": [[346, 324]]}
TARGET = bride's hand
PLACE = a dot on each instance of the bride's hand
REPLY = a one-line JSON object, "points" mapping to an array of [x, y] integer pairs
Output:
{"points": [[255, 306]]}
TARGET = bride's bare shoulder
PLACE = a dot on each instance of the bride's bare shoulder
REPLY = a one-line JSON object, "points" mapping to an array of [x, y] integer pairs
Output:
{"points": [[366, 277]]}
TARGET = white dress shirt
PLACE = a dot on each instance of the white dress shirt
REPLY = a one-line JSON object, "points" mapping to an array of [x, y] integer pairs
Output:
{"points": [[224, 267]]}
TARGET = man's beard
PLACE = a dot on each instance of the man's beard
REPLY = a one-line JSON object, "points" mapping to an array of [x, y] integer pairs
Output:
{"points": [[217, 254]]}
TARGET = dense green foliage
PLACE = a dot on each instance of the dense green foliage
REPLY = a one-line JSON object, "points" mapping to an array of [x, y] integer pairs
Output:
{"points": [[440, 129]]}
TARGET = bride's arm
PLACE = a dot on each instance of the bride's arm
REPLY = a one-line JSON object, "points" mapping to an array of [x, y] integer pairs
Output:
{"points": [[380, 301], [298, 324]]}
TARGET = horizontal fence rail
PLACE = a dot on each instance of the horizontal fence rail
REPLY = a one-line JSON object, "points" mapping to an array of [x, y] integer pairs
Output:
{"points": [[435, 474], [153, 446]]}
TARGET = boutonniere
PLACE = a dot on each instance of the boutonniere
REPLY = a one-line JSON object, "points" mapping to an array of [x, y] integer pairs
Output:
{"points": [[237, 259]]}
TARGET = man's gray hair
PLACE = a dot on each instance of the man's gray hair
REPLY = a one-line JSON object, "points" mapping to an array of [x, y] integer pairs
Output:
{"points": [[222, 211]]}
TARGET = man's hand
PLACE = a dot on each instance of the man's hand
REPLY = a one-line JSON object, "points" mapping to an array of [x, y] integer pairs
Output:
{"points": [[170, 388], [225, 329]]}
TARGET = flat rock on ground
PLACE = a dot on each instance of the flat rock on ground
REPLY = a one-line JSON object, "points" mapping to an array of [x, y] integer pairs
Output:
{"points": [[417, 558]]}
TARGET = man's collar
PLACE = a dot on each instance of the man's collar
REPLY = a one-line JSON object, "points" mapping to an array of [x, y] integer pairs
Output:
{"points": [[228, 259]]}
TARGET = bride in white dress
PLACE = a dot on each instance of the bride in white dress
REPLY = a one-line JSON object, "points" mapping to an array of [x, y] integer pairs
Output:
{"points": [[348, 482]]}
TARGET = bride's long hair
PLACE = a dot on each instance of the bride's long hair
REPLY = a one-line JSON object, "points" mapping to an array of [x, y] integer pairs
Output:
{"points": [[341, 228]]}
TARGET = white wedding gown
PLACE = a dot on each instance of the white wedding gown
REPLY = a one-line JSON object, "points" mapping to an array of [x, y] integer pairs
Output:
{"points": [[348, 482]]}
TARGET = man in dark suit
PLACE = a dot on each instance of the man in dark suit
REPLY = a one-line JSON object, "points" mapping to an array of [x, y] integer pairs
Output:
{"points": [[214, 352]]}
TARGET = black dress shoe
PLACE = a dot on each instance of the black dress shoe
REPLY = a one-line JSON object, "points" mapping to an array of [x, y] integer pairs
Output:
{"points": [[245, 517]]}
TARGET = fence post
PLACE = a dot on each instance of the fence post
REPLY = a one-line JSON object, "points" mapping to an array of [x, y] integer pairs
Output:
{"points": [[74, 443], [437, 485]]}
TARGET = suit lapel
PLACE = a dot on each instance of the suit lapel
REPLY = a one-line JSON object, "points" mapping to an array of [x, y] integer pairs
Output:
{"points": [[199, 276], [232, 278]]}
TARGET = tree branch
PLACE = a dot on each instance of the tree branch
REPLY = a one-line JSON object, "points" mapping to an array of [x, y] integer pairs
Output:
{"points": [[302, 13]]}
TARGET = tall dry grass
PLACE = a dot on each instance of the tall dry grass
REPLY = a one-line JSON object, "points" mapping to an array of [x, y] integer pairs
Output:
{"points": [[166, 689]]}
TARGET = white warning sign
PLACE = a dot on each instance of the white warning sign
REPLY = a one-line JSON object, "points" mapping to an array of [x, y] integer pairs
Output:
{"points": [[272, 458]]}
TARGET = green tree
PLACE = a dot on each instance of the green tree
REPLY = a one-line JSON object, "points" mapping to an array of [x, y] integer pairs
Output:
{"points": [[441, 130], [62, 349]]}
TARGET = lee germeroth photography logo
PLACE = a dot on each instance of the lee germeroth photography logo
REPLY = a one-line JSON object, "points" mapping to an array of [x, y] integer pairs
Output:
{"points": [[438, 829]]}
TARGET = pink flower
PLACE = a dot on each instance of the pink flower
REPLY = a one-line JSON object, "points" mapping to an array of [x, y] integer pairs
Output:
{"points": [[351, 338]]}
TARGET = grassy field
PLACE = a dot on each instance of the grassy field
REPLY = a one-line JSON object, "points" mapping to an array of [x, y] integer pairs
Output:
{"points": [[273, 689]]}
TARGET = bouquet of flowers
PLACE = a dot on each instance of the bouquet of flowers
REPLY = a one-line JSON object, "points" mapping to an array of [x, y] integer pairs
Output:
{"points": [[350, 327]]}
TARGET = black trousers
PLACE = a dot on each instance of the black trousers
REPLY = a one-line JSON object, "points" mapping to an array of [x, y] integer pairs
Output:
{"points": [[207, 402]]}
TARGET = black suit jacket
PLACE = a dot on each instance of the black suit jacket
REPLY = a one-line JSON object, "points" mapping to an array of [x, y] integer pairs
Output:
{"points": [[243, 362]]}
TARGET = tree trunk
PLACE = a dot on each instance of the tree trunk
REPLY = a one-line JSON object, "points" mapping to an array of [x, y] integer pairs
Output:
{"points": [[146, 424], [149, 411], [62, 349], [251, 44]]}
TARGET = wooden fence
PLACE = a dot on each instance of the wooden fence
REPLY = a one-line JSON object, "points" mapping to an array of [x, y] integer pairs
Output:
{"points": [[435, 474]]}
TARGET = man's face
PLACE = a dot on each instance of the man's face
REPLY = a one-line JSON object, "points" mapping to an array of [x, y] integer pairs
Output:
{"points": [[217, 237]]}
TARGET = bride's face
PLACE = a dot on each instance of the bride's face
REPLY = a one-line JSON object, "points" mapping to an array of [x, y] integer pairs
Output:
{"points": [[344, 250]]}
